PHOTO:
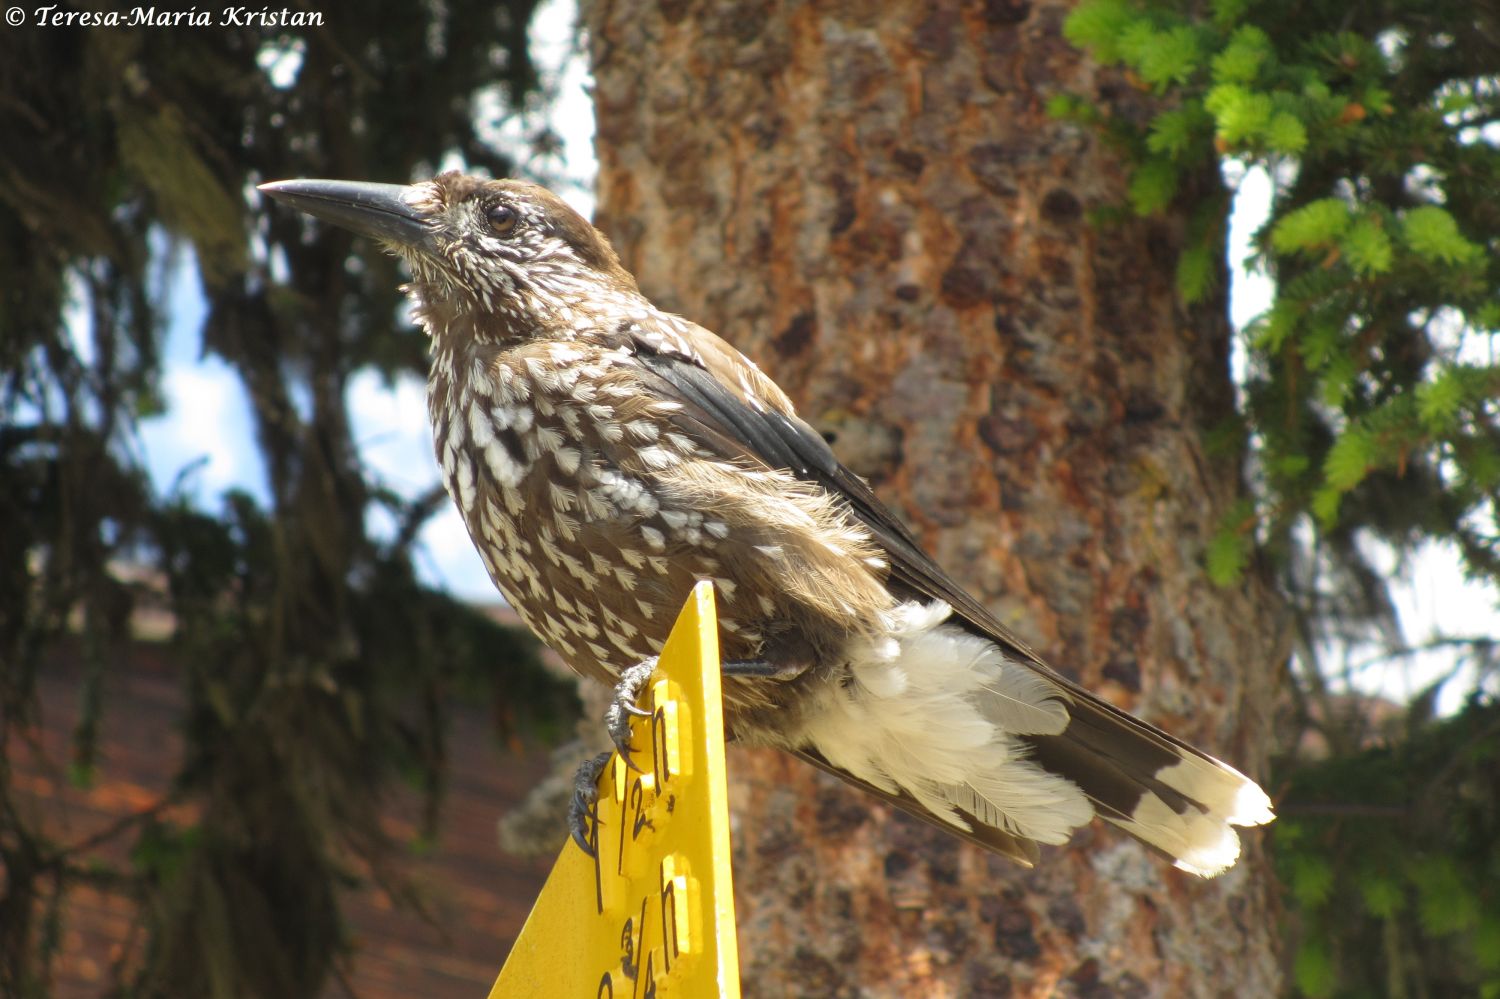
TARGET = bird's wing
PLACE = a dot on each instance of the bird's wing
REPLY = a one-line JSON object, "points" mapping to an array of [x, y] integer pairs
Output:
{"points": [[1171, 796], [716, 388]]}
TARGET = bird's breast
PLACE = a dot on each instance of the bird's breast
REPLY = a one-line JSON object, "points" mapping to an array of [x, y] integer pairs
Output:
{"points": [[557, 469]]}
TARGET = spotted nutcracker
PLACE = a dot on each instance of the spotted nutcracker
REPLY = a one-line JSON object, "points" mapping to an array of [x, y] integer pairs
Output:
{"points": [[606, 455]]}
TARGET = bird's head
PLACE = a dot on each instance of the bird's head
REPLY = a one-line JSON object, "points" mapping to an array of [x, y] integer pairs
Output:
{"points": [[503, 258]]}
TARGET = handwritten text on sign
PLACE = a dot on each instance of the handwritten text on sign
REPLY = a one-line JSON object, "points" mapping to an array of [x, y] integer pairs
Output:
{"points": [[652, 914]]}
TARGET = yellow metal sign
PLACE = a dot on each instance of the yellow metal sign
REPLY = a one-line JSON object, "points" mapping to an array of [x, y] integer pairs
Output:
{"points": [[652, 914]]}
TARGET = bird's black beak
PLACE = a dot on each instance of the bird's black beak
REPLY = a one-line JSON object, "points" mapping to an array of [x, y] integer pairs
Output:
{"points": [[379, 211]]}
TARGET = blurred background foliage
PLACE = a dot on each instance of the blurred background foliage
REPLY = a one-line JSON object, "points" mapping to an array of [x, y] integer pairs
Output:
{"points": [[314, 665], [1369, 398]]}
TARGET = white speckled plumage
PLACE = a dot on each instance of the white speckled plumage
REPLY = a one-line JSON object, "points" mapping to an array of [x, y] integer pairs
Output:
{"points": [[605, 455]]}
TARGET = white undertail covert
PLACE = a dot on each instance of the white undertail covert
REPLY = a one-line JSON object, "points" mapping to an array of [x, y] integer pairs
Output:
{"points": [[928, 709]]}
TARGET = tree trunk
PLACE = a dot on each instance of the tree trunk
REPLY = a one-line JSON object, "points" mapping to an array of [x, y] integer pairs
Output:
{"points": [[872, 202]]}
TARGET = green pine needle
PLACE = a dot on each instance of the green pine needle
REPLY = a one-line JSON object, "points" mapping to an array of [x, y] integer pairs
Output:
{"points": [[1432, 233], [1195, 273], [1367, 247], [1098, 26], [1243, 57], [1153, 186], [1313, 226], [1285, 134], [1350, 459], [1227, 555]]}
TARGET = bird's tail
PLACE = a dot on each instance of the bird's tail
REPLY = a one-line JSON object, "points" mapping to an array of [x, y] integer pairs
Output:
{"points": [[1181, 802], [1006, 753]]}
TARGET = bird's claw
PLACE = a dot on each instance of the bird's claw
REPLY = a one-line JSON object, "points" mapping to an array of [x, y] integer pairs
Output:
{"points": [[627, 692], [583, 809]]}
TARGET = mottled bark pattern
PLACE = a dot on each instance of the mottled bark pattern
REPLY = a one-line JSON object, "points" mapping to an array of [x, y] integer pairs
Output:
{"points": [[872, 202]]}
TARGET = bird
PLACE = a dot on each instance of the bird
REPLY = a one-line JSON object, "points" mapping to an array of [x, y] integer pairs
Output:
{"points": [[606, 455]]}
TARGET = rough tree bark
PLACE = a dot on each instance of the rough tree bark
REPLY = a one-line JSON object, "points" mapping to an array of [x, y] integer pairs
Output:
{"points": [[872, 202]]}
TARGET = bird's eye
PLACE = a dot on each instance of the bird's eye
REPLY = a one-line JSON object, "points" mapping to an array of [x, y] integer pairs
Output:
{"points": [[502, 219]]}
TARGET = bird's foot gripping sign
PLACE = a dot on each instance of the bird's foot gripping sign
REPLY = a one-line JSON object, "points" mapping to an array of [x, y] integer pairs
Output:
{"points": [[652, 913]]}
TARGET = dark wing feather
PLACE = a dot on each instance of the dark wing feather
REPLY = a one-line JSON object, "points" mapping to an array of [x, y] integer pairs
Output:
{"points": [[721, 419], [735, 426]]}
